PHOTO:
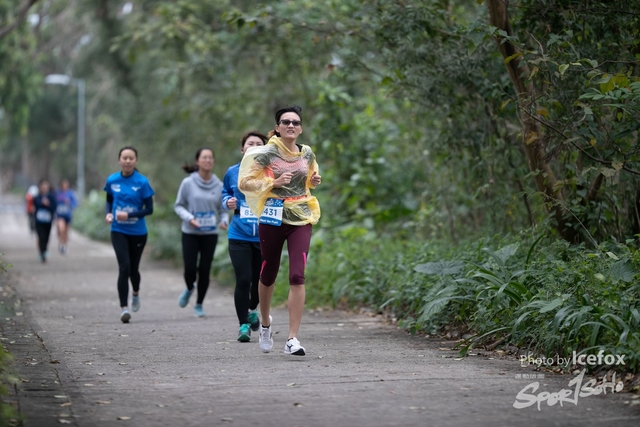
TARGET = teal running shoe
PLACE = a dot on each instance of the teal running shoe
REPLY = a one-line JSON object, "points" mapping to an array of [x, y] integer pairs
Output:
{"points": [[253, 320], [198, 311], [184, 298], [244, 334]]}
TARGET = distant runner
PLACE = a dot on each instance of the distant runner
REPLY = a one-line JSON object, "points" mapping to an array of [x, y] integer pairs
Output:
{"points": [[66, 202], [45, 209]]}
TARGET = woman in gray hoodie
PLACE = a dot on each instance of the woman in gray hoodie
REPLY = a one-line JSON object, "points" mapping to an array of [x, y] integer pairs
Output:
{"points": [[199, 205]]}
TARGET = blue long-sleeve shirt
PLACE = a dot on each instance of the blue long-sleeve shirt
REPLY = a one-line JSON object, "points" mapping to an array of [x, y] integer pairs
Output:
{"points": [[244, 225]]}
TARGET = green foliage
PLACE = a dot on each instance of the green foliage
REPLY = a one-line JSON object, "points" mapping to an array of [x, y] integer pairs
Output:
{"points": [[8, 413], [88, 218], [548, 296]]}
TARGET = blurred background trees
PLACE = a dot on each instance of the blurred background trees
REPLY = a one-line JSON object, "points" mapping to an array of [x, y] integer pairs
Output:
{"points": [[420, 118]]}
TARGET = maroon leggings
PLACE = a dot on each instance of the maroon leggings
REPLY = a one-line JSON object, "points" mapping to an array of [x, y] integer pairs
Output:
{"points": [[272, 240]]}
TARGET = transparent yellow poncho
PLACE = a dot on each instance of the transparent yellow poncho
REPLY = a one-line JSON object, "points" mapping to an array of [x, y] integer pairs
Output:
{"points": [[261, 165]]}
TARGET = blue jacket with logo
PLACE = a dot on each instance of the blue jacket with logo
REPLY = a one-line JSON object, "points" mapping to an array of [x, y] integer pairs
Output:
{"points": [[129, 194], [245, 228]]}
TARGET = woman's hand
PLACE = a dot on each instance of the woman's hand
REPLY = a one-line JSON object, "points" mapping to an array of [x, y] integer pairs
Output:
{"points": [[109, 218], [194, 223], [232, 203], [122, 216], [282, 180], [224, 225], [315, 179]]}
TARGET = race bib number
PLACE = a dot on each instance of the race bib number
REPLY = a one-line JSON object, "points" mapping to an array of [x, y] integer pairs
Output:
{"points": [[272, 212], [127, 209], [43, 215], [206, 220], [246, 216], [63, 209]]}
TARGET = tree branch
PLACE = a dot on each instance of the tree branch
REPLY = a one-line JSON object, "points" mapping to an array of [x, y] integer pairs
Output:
{"points": [[595, 159], [22, 15]]}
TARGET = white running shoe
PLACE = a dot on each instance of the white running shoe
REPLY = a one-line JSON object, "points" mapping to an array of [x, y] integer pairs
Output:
{"points": [[135, 303], [125, 316], [293, 347], [266, 338]]}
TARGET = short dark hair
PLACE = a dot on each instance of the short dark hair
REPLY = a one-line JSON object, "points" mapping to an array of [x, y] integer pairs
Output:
{"points": [[127, 148], [253, 133], [290, 109]]}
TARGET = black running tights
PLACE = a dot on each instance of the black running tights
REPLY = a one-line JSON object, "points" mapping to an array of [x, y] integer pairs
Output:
{"points": [[128, 250], [192, 245], [247, 262], [44, 231]]}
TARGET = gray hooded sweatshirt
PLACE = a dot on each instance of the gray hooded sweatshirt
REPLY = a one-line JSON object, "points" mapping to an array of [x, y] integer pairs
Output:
{"points": [[201, 200]]}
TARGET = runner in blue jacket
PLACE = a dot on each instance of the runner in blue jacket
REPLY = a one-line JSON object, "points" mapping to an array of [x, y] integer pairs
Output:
{"points": [[244, 244], [129, 200]]}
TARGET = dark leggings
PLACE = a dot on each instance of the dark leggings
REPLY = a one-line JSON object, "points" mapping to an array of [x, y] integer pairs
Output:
{"points": [[247, 261], [44, 231], [192, 244], [272, 240], [128, 250]]}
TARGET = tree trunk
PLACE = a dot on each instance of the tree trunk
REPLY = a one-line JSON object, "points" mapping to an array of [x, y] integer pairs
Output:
{"points": [[532, 139]]}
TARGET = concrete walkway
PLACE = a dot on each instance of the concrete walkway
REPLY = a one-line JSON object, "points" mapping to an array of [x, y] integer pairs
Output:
{"points": [[78, 364]]}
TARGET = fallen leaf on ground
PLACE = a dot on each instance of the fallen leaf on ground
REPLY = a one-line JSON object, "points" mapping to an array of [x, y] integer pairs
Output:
{"points": [[124, 418], [291, 384], [297, 404], [59, 396], [103, 402], [65, 404], [64, 421]]}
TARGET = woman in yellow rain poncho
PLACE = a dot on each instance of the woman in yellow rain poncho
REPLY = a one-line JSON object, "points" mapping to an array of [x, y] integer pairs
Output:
{"points": [[275, 180]]}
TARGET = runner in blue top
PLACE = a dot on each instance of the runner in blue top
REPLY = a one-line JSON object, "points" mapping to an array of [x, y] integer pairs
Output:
{"points": [[129, 200], [66, 202], [244, 244]]}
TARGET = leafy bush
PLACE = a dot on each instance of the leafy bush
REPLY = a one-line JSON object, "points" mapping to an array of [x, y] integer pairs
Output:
{"points": [[88, 218], [550, 297]]}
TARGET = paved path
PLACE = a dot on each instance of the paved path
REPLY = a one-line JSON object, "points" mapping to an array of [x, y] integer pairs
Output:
{"points": [[79, 365]]}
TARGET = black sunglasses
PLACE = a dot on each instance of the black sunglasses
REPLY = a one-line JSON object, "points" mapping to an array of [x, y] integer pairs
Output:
{"points": [[286, 122]]}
